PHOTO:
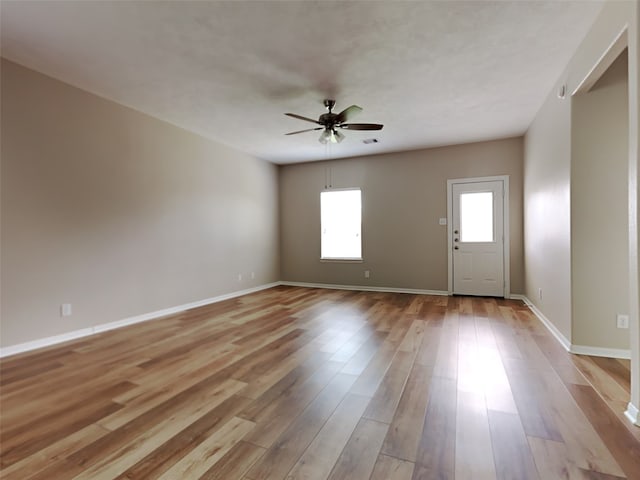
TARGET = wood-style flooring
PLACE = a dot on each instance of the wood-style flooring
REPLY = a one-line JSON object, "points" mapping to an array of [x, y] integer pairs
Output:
{"points": [[297, 383]]}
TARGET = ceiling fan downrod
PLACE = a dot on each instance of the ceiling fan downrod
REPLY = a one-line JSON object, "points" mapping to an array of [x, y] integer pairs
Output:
{"points": [[329, 104]]}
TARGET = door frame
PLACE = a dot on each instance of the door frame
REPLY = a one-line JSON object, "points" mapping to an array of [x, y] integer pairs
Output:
{"points": [[505, 226]]}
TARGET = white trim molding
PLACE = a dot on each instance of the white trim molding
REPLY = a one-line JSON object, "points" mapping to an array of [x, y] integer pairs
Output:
{"points": [[568, 346], [45, 342], [633, 414], [85, 332], [601, 352], [559, 336], [364, 288]]}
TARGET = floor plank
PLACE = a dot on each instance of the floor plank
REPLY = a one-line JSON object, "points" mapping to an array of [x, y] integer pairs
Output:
{"points": [[318, 459], [176, 448], [405, 430], [473, 446], [511, 451], [390, 468], [359, 456], [200, 459], [622, 445], [385, 401], [293, 442], [235, 462], [435, 457]]}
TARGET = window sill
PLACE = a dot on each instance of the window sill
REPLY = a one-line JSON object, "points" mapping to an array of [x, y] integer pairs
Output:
{"points": [[341, 260]]}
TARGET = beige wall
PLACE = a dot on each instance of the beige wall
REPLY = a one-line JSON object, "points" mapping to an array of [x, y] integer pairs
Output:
{"points": [[599, 232], [118, 213], [404, 195], [547, 216]]}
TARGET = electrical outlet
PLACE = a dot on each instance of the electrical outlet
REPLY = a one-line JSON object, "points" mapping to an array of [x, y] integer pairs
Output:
{"points": [[239, 277], [367, 274], [622, 321], [65, 310], [540, 293], [253, 275]]}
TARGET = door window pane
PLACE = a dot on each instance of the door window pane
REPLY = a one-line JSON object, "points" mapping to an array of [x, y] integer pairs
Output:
{"points": [[476, 217]]}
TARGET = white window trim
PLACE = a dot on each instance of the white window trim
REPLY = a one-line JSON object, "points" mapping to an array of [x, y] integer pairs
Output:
{"points": [[341, 260], [344, 259]]}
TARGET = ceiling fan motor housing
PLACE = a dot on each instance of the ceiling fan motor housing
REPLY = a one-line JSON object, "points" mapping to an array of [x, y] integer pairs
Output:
{"points": [[328, 119]]}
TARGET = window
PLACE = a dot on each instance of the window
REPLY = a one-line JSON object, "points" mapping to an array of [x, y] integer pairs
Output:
{"points": [[340, 225], [476, 217]]}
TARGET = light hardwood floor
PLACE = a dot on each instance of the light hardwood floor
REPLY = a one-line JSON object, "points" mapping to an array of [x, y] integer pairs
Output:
{"points": [[319, 384]]}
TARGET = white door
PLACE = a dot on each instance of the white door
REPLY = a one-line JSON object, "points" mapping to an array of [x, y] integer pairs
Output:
{"points": [[477, 238]]}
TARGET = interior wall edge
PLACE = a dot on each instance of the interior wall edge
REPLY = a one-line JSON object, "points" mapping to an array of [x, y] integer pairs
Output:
{"points": [[621, 353], [633, 414], [557, 334]]}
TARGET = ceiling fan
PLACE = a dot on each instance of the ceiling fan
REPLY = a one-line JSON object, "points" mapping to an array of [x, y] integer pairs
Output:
{"points": [[330, 122]]}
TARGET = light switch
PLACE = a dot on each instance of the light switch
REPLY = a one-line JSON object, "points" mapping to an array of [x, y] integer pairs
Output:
{"points": [[443, 221]]}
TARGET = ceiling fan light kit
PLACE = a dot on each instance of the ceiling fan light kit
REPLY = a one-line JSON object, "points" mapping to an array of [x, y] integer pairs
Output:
{"points": [[330, 136], [330, 122]]}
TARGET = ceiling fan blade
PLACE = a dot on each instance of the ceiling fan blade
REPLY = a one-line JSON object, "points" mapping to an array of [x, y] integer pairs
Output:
{"points": [[361, 126], [347, 113], [300, 117], [302, 131]]}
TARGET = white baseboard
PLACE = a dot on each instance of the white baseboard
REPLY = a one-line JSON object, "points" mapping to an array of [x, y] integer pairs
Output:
{"points": [[517, 296], [568, 346], [364, 288], [84, 332], [633, 414], [564, 341], [601, 352], [45, 342]]}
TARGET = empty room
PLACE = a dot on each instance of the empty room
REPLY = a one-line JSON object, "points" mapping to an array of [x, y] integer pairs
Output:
{"points": [[322, 240]]}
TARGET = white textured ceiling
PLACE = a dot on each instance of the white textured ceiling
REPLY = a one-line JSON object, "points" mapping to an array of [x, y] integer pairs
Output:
{"points": [[434, 73]]}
